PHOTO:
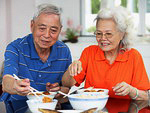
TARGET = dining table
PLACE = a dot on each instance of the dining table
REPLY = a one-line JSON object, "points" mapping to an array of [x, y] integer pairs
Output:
{"points": [[113, 105]]}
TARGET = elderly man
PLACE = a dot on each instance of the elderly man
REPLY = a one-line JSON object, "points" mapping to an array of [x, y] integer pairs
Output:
{"points": [[38, 59]]}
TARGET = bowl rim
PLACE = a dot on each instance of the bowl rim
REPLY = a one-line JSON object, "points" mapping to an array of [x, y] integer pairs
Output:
{"points": [[54, 100], [87, 99], [93, 89], [52, 93]]}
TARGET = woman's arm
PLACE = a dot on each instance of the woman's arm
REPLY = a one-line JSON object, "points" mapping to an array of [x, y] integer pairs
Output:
{"points": [[67, 79], [74, 69], [124, 89]]}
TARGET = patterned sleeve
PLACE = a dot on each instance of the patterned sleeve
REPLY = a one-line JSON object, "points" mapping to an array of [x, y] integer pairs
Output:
{"points": [[11, 60]]}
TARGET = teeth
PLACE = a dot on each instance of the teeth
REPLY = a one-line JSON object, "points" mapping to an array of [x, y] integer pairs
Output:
{"points": [[104, 44]]}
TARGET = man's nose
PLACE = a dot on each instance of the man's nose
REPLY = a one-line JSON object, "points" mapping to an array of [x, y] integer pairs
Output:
{"points": [[47, 33]]}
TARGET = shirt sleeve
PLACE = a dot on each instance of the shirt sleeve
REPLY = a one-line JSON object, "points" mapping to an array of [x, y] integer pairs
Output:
{"points": [[84, 60], [140, 78], [11, 60]]}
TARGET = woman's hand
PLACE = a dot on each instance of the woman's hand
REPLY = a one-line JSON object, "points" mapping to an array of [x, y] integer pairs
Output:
{"points": [[75, 68], [22, 87], [122, 89]]}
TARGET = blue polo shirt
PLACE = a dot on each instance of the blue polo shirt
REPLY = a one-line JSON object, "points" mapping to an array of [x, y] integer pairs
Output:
{"points": [[22, 59]]}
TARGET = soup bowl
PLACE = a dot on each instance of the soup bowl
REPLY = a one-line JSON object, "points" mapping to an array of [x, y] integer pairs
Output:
{"points": [[85, 101]]}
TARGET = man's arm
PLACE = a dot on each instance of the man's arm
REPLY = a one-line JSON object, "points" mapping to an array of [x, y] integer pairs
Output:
{"points": [[12, 86]]}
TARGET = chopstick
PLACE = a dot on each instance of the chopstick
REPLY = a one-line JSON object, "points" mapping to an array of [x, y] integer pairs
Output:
{"points": [[33, 81], [31, 88]]}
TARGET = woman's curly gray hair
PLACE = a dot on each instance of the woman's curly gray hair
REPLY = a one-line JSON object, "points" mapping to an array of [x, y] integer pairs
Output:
{"points": [[124, 23]]}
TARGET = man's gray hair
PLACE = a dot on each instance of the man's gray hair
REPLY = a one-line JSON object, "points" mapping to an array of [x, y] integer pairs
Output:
{"points": [[47, 9], [123, 20]]}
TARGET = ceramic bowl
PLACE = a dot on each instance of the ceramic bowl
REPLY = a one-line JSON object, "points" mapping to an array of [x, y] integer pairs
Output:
{"points": [[95, 90], [34, 105], [50, 95], [85, 101]]}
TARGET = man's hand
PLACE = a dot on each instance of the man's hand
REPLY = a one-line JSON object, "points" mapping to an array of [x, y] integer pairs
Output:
{"points": [[52, 87], [75, 68], [22, 87]]}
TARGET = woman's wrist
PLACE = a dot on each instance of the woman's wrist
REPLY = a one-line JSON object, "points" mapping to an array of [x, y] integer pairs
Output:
{"points": [[136, 94]]}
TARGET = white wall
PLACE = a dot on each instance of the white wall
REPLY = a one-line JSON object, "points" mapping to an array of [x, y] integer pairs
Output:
{"points": [[21, 14], [3, 37], [15, 16]]}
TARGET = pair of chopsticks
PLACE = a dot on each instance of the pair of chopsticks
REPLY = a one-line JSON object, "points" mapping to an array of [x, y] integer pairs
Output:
{"points": [[37, 83], [33, 90]]}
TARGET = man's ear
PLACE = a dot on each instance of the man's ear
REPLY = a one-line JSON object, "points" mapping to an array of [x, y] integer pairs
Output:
{"points": [[32, 25]]}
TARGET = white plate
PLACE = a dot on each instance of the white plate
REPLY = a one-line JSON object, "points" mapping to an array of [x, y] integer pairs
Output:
{"points": [[70, 111]]}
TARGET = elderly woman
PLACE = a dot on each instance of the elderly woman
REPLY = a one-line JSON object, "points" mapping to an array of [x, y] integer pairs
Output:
{"points": [[111, 64]]}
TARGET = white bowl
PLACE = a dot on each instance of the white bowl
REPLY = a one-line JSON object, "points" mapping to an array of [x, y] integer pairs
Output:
{"points": [[94, 90], [35, 104], [52, 95], [85, 101]]}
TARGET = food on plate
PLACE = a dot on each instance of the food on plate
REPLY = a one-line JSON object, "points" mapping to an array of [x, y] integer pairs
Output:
{"points": [[40, 93], [46, 99], [36, 94], [48, 111], [94, 90], [46, 93], [92, 111]]}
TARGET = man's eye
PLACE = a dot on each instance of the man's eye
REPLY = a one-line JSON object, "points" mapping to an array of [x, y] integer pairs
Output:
{"points": [[42, 29], [53, 30]]}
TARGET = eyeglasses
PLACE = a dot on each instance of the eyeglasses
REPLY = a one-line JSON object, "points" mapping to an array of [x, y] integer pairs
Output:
{"points": [[100, 34]]}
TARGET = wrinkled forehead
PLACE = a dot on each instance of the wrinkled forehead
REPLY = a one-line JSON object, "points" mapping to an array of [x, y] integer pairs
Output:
{"points": [[106, 25]]}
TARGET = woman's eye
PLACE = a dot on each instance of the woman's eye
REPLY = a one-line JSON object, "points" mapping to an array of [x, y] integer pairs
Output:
{"points": [[109, 33], [99, 33]]}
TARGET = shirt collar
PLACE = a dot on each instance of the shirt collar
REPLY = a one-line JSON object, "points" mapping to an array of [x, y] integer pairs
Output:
{"points": [[53, 53], [122, 56], [99, 54]]}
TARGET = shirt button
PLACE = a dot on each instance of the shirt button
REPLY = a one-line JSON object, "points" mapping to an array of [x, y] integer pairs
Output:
{"points": [[39, 75]]}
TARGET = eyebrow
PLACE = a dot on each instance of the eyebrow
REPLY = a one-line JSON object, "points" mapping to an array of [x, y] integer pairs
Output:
{"points": [[45, 26], [42, 25], [105, 31]]}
